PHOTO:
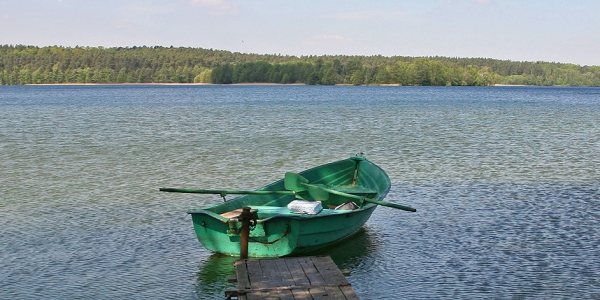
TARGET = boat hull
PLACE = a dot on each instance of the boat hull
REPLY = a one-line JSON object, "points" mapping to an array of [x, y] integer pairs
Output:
{"points": [[282, 235], [279, 232]]}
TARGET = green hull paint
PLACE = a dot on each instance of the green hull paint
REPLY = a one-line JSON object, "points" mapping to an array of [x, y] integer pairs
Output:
{"points": [[280, 232]]}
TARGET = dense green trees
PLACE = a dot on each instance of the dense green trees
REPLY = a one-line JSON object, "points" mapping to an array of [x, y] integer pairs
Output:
{"points": [[34, 65]]}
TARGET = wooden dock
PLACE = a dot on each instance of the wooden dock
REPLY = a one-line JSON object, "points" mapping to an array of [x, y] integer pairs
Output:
{"points": [[314, 277]]}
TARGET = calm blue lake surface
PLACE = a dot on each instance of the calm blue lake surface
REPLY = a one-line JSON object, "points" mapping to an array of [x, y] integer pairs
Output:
{"points": [[505, 181]]}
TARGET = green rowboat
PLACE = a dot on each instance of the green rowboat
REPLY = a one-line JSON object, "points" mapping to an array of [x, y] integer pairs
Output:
{"points": [[354, 186]]}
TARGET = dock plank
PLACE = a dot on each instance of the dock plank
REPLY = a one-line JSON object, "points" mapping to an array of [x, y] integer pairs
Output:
{"points": [[311, 272], [241, 271], [303, 294], [291, 278], [329, 270], [318, 292], [255, 274], [334, 293], [255, 296], [348, 292], [271, 276], [285, 295], [296, 271], [284, 273]]}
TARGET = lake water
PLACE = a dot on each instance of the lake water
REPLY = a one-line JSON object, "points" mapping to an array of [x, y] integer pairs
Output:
{"points": [[505, 181]]}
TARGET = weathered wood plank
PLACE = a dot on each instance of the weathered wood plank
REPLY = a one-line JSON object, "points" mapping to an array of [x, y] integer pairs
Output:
{"points": [[285, 295], [303, 294], [296, 271], [255, 274], [270, 278], [284, 273], [329, 270], [241, 272], [282, 288], [318, 292], [292, 278], [254, 296], [334, 293], [310, 271], [349, 292], [232, 214]]}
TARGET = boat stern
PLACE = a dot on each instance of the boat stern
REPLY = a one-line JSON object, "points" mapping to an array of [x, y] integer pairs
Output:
{"points": [[274, 237]]}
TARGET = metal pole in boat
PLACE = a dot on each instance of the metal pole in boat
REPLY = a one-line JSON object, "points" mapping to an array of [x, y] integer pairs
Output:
{"points": [[247, 217]]}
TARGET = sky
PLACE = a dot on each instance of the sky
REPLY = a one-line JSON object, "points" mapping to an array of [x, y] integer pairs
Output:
{"points": [[517, 30]]}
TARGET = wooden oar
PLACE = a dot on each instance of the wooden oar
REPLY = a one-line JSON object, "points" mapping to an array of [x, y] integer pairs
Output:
{"points": [[295, 182], [224, 193]]}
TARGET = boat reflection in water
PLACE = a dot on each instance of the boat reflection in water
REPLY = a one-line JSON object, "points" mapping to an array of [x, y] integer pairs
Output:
{"points": [[352, 254], [211, 278]]}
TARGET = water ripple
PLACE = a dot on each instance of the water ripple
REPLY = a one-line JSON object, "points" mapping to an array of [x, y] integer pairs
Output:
{"points": [[505, 182]]}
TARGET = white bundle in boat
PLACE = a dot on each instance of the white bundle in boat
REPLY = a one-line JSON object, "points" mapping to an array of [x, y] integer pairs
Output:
{"points": [[305, 207]]}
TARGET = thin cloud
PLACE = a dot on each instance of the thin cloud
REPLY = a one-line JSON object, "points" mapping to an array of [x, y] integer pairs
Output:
{"points": [[325, 37], [121, 23], [147, 9], [577, 43], [476, 1], [370, 14], [216, 7]]}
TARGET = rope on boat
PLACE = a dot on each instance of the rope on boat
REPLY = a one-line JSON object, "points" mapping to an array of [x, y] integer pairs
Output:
{"points": [[287, 230]]}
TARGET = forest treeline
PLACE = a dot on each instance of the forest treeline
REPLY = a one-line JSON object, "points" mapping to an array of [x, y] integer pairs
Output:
{"points": [[21, 64]]}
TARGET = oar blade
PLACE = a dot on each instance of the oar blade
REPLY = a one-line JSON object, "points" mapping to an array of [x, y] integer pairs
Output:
{"points": [[294, 182], [297, 183]]}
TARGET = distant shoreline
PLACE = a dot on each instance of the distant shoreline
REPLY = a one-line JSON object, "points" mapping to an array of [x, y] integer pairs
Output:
{"points": [[167, 83], [240, 84], [161, 65]]}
